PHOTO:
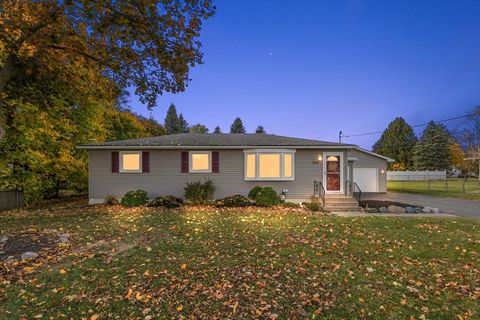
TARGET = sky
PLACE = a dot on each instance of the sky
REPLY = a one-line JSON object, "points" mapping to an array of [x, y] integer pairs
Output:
{"points": [[312, 68]]}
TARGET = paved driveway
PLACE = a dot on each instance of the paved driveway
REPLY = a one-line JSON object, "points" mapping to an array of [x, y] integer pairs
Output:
{"points": [[459, 207]]}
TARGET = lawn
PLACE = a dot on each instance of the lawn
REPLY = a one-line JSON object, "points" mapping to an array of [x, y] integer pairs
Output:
{"points": [[206, 263], [450, 188]]}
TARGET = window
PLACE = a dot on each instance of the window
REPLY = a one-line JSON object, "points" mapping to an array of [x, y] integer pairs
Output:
{"points": [[269, 165], [130, 161], [201, 161]]}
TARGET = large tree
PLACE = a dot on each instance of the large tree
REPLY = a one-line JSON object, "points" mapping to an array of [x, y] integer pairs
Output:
{"points": [[397, 142], [237, 126], [147, 44], [217, 130], [175, 123], [432, 150]]}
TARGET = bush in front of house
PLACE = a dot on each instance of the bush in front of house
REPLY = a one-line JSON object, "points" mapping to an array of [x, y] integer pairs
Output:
{"points": [[199, 192], [233, 201], [166, 202], [312, 206], [134, 198], [111, 200], [267, 197], [253, 193]]}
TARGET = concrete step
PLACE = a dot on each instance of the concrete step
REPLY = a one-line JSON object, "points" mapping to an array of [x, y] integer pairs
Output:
{"points": [[342, 205], [340, 209]]}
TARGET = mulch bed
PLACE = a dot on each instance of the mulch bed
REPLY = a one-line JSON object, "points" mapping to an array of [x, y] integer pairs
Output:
{"points": [[27, 241], [377, 204]]}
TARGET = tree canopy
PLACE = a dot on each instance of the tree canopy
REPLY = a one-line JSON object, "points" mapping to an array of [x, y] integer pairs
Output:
{"points": [[432, 150], [198, 128], [237, 126], [217, 130], [147, 44], [175, 123], [397, 142], [260, 129]]}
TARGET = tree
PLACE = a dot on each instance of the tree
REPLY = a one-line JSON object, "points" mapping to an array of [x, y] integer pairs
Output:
{"points": [[237, 126], [260, 129], [182, 124], [148, 44], [469, 138], [198, 128], [432, 152], [174, 123], [397, 142], [456, 155], [217, 130]]}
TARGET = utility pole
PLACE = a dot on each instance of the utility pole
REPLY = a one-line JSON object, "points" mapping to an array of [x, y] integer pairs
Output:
{"points": [[340, 133]]}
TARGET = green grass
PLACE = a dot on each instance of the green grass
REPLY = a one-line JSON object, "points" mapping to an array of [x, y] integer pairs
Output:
{"points": [[252, 264], [451, 188]]}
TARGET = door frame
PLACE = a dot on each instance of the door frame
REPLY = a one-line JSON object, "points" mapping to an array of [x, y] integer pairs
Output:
{"points": [[342, 168]]}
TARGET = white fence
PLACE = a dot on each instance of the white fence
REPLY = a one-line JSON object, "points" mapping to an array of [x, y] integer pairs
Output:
{"points": [[416, 175]]}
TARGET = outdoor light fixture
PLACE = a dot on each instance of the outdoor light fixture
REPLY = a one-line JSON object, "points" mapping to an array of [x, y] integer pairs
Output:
{"points": [[382, 171], [319, 159]]}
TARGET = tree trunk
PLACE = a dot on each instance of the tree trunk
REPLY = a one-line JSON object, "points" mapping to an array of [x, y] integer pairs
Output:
{"points": [[6, 74]]}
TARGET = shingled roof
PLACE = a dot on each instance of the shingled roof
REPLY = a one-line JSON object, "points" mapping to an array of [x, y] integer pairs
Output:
{"points": [[221, 140]]}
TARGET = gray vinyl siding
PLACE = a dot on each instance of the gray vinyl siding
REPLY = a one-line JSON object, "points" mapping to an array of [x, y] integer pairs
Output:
{"points": [[165, 177], [365, 160]]}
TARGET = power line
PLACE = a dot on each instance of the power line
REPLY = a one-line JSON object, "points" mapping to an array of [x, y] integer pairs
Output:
{"points": [[414, 126]]}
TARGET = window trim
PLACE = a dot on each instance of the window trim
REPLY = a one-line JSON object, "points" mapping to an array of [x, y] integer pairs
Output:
{"points": [[258, 152], [190, 162], [120, 162]]}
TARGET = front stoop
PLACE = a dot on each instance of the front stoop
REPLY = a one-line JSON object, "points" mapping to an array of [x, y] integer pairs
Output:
{"points": [[341, 203]]}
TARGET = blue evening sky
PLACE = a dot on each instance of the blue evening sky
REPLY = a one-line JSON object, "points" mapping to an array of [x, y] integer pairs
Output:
{"points": [[311, 68]]}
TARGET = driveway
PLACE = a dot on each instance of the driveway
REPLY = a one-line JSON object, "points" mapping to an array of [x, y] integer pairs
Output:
{"points": [[458, 207]]}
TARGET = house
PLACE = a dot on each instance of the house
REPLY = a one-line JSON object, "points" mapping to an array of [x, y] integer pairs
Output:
{"points": [[235, 162]]}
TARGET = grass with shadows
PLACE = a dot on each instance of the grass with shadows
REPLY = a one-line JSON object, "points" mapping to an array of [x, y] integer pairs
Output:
{"points": [[254, 263]]}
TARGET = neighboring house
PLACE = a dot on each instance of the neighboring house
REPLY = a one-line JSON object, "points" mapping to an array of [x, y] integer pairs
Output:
{"points": [[235, 162]]}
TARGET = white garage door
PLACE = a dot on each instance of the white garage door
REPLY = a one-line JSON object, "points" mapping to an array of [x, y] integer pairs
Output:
{"points": [[366, 178]]}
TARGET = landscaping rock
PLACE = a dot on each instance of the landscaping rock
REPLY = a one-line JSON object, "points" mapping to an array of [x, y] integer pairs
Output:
{"points": [[436, 210], [427, 210], [383, 210], [372, 210], [9, 259], [3, 239], [64, 237], [29, 255], [396, 209], [410, 209], [418, 210]]}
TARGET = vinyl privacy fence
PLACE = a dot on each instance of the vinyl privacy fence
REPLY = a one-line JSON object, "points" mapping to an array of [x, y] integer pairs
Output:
{"points": [[416, 175], [11, 199]]}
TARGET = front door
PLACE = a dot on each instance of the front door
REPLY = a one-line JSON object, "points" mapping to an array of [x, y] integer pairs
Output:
{"points": [[333, 173]]}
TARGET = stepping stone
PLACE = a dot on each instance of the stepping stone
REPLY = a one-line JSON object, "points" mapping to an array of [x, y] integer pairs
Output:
{"points": [[29, 255]]}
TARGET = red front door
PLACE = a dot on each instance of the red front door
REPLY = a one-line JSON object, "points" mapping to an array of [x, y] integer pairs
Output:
{"points": [[333, 173]]}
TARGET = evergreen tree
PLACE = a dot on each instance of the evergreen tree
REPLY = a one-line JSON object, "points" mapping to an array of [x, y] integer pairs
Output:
{"points": [[171, 120], [182, 124], [198, 128], [260, 129], [432, 151], [397, 142], [217, 130], [237, 126]]}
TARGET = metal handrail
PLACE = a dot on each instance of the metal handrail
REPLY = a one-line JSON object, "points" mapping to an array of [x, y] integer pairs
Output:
{"points": [[352, 189], [318, 189]]}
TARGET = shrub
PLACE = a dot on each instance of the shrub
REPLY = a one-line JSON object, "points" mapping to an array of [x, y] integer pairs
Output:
{"points": [[253, 193], [290, 205], [267, 197], [199, 192], [312, 206], [167, 202], [233, 201], [111, 200], [134, 198]]}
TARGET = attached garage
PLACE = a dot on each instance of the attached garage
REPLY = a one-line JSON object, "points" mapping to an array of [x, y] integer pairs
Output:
{"points": [[366, 178]]}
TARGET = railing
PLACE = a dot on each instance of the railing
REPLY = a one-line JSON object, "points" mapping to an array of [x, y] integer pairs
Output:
{"points": [[319, 191], [352, 189]]}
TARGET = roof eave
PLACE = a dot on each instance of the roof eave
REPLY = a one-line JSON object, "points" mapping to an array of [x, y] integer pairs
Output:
{"points": [[110, 147]]}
